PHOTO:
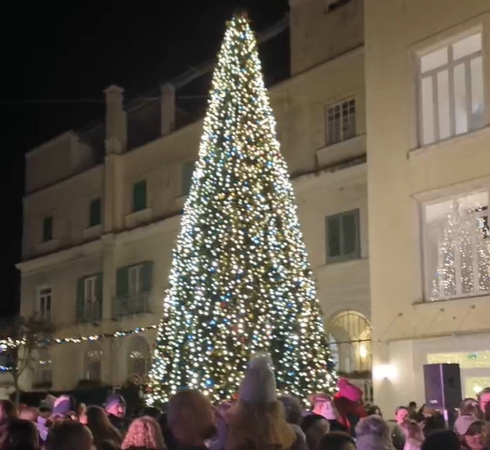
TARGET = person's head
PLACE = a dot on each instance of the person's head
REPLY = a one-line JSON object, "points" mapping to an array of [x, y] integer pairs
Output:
{"points": [[374, 411], [375, 427], [412, 406], [69, 435], [323, 405], [442, 439], [484, 402], [116, 406], [28, 414], [336, 441], [412, 430], [191, 418], [473, 432], [20, 435], [44, 411], [314, 427], [144, 432], [468, 407], [401, 414], [292, 409], [151, 411], [8, 411], [99, 424]]}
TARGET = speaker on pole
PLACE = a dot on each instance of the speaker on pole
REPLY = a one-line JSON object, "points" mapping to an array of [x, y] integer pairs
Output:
{"points": [[442, 386]]}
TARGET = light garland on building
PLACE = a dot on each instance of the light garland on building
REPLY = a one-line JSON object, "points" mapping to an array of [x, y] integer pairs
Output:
{"points": [[240, 282], [464, 255]]}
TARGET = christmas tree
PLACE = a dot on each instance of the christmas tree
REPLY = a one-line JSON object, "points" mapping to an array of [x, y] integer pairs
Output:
{"points": [[240, 281]]}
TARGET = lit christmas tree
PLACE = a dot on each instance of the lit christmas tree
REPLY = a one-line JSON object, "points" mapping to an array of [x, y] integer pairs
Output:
{"points": [[240, 282], [463, 254]]}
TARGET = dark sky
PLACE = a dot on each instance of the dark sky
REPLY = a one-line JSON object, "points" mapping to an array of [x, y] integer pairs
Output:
{"points": [[55, 57]]}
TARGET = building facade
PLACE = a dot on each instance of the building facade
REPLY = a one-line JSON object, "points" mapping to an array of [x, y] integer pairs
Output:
{"points": [[102, 205], [102, 210], [428, 140]]}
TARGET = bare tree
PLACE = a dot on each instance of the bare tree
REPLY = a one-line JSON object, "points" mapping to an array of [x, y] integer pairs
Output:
{"points": [[32, 332]]}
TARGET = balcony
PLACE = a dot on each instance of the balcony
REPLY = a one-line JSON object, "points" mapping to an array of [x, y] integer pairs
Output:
{"points": [[131, 305], [89, 312]]}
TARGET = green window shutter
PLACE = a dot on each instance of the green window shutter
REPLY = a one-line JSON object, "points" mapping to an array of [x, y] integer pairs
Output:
{"points": [[333, 237], [146, 276], [139, 196], [99, 286], [186, 174], [122, 284], [48, 229], [80, 297], [95, 213], [350, 234]]}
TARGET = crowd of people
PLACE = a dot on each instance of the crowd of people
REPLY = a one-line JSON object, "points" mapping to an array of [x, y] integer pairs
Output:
{"points": [[257, 419]]}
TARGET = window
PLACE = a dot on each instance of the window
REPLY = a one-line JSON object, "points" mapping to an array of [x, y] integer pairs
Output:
{"points": [[48, 229], [92, 364], [343, 236], [44, 367], [139, 196], [187, 173], [457, 247], [341, 121], [95, 213], [134, 280], [90, 289], [45, 303], [452, 90], [139, 357]]}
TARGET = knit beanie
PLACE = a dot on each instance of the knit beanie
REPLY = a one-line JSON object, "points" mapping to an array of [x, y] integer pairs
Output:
{"points": [[348, 391], [258, 384]]}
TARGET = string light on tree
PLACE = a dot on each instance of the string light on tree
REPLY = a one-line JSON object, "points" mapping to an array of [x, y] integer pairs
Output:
{"points": [[240, 282]]}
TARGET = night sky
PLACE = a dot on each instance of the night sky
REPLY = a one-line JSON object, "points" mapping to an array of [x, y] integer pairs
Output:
{"points": [[58, 63]]}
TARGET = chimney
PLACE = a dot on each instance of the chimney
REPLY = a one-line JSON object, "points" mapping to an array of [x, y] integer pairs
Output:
{"points": [[115, 121], [167, 94]]}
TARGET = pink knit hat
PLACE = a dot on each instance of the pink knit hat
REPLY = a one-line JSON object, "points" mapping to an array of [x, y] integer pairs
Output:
{"points": [[349, 391]]}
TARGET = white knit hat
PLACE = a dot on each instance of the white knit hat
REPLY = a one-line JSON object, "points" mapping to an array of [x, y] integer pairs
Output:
{"points": [[258, 384]]}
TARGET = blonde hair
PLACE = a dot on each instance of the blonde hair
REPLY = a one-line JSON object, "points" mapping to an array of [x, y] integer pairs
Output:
{"points": [[259, 426], [412, 429], [144, 432]]}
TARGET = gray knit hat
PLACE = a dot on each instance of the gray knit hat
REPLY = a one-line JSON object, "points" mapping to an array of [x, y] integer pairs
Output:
{"points": [[258, 384]]}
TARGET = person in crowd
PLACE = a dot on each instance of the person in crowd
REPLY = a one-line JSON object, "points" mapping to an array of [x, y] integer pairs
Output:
{"points": [[397, 434], [401, 414], [43, 422], [69, 435], [469, 407], [348, 402], [19, 434], [414, 435], [374, 410], [472, 432], [29, 414], [434, 422], [293, 412], [336, 441], [412, 410], [8, 411], [101, 428], [373, 433], [222, 413], [144, 434], [115, 408], [190, 421], [484, 403], [257, 421], [63, 408], [442, 440]]}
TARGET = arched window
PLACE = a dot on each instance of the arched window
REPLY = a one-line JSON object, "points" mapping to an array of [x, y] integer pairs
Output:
{"points": [[43, 371], [92, 363], [350, 332], [138, 357]]}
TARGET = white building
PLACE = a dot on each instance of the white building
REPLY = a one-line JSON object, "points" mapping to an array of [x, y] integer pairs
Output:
{"points": [[102, 205]]}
